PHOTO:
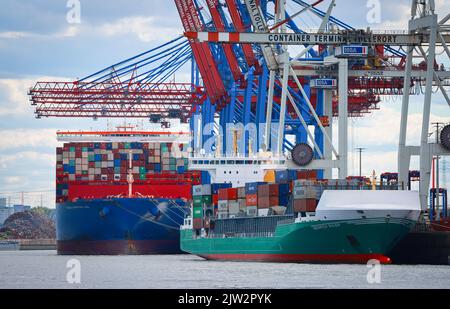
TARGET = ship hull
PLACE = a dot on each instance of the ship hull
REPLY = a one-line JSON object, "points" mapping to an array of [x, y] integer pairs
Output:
{"points": [[338, 241], [119, 226]]}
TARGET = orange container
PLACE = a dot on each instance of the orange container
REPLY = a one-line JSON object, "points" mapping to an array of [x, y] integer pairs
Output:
{"points": [[267, 201], [251, 199], [305, 205]]}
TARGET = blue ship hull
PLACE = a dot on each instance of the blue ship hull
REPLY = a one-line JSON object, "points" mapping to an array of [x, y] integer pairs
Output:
{"points": [[119, 226]]}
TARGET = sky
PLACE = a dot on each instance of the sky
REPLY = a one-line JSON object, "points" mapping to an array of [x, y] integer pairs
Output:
{"points": [[37, 43]]}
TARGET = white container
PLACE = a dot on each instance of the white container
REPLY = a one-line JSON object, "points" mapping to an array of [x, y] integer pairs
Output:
{"points": [[242, 204], [201, 190], [222, 205], [263, 212], [222, 215], [252, 211], [233, 207]]}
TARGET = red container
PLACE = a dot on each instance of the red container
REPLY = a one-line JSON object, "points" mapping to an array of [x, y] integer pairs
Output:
{"points": [[268, 190], [305, 205], [198, 223], [227, 194], [267, 201], [215, 199], [251, 199], [312, 175]]}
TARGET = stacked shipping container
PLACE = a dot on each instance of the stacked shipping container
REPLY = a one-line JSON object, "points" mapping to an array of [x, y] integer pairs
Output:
{"points": [[109, 163]]}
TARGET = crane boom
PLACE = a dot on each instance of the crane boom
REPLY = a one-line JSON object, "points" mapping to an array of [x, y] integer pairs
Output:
{"points": [[392, 39]]}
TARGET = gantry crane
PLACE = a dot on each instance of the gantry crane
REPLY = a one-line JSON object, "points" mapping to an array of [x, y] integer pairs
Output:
{"points": [[424, 30]]}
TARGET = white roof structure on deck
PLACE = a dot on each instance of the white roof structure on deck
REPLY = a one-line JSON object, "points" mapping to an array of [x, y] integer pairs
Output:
{"points": [[369, 200]]}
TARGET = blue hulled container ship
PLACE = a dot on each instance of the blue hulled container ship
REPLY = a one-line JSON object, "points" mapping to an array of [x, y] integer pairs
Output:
{"points": [[120, 226], [121, 192]]}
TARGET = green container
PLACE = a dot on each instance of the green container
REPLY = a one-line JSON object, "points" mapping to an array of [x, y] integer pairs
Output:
{"points": [[72, 149], [127, 145], [198, 212], [197, 201], [207, 199], [142, 170], [84, 149], [84, 172], [72, 162], [142, 177], [91, 158]]}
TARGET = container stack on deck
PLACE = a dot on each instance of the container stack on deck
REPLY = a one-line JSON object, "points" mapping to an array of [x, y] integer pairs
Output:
{"points": [[305, 195], [286, 191], [108, 163]]}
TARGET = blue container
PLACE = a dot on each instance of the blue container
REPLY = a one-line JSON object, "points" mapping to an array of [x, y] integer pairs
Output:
{"points": [[136, 157], [96, 145], [158, 168], [292, 174], [216, 186], [283, 189], [66, 167], [252, 187], [180, 169], [283, 200], [71, 169], [98, 157], [281, 176], [71, 162], [116, 162], [123, 156], [109, 146]]}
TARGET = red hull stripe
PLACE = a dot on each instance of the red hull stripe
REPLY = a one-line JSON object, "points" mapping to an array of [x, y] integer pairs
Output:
{"points": [[296, 258]]}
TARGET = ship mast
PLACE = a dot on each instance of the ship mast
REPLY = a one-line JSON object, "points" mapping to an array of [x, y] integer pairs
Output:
{"points": [[130, 179]]}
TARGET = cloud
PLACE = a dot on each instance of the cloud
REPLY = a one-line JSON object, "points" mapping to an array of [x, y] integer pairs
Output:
{"points": [[29, 138], [66, 32], [27, 158], [147, 29], [379, 162], [14, 94], [383, 127], [13, 180]]}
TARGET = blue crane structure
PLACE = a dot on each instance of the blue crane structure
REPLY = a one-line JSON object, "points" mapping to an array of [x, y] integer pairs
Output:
{"points": [[229, 82]]}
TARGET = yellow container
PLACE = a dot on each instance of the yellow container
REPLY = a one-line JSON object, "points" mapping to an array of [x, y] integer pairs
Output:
{"points": [[269, 176]]}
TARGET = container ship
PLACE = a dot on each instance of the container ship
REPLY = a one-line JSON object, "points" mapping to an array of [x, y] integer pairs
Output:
{"points": [[284, 219], [122, 191]]}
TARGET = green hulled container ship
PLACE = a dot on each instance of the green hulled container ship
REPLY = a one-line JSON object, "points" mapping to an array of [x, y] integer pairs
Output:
{"points": [[347, 226]]}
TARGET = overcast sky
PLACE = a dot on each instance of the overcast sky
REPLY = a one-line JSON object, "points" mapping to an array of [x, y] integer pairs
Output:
{"points": [[37, 43]]}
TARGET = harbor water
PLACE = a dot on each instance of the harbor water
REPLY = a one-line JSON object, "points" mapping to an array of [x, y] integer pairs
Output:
{"points": [[45, 269]]}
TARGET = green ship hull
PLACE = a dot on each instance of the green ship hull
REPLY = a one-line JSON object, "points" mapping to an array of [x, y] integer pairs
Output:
{"points": [[337, 241]]}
